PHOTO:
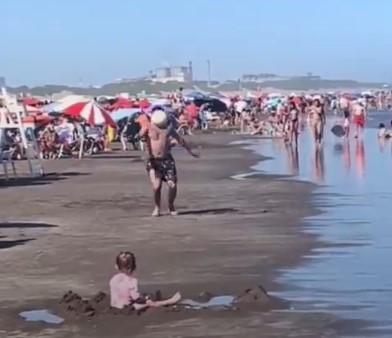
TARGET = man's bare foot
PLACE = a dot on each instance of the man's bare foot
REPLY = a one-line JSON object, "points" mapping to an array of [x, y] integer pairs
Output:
{"points": [[156, 212], [175, 299]]}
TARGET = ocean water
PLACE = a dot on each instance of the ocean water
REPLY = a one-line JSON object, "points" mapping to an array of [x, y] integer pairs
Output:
{"points": [[353, 277]]}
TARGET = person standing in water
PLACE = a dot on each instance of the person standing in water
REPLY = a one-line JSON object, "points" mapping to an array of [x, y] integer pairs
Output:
{"points": [[317, 121], [293, 123], [359, 117], [346, 123], [160, 136]]}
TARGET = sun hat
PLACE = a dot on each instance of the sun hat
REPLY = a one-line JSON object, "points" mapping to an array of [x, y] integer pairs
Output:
{"points": [[159, 118]]}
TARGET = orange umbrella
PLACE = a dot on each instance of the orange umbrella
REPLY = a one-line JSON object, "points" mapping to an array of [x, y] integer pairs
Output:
{"points": [[37, 118]]}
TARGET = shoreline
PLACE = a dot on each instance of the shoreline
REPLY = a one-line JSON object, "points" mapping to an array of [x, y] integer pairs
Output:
{"points": [[239, 243]]}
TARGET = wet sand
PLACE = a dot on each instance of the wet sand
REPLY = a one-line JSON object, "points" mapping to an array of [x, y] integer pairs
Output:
{"points": [[230, 235]]}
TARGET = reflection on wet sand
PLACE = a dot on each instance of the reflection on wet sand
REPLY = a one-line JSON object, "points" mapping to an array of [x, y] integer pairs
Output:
{"points": [[360, 157], [319, 164], [381, 144], [292, 159], [346, 156], [315, 159]]}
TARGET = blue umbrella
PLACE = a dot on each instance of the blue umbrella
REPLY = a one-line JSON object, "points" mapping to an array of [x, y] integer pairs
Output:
{"points": [[51, 107], [119, 114], [153, 107]]}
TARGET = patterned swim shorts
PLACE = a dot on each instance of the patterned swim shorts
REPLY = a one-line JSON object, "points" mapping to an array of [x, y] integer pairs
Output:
{"points": [[165, 168]]}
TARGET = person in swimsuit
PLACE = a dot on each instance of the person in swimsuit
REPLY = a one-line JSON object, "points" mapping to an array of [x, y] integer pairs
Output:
{"points": [[359, 117], [293, 123], [346, 123], [160, 136], [317, 121]]}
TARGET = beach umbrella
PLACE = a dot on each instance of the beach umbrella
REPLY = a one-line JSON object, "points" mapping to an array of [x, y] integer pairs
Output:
{"points": [[121, 103], [49, 108], [143, 104], [92, 112], [70, 100], [119, 114], [37, 118], [30, 101]]}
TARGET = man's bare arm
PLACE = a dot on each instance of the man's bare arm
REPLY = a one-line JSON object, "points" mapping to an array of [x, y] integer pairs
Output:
{"points": [[143, 132], [180, 140]]}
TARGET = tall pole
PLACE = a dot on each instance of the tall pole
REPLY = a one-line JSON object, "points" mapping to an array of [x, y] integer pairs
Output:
{"points": [[209, 72]]}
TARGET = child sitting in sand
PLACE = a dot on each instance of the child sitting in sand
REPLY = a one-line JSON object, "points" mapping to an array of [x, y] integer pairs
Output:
{"points": [[382, 131], [124, 286]]}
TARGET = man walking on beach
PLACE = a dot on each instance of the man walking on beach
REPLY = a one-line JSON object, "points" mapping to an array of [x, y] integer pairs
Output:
{"points": [[160, 136], [359, 117]]}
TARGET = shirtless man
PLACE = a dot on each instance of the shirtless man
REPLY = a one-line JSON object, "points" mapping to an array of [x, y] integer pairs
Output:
{"points": [[359, 116], [160, 136]]}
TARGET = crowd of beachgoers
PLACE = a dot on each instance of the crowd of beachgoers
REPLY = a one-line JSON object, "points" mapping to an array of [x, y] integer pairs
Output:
{"points": [[86, 126], [81, 125]]}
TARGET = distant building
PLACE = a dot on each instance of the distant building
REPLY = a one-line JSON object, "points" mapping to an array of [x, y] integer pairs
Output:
{"points": [[2, 81], [177, 73], [262, 77]]}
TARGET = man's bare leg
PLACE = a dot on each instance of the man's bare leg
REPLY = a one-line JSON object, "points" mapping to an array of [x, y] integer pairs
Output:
{"points": [[156, 182], [172, 193]]}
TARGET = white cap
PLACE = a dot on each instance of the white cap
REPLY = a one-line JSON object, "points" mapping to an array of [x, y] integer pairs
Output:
{"points": [[159, 118]]}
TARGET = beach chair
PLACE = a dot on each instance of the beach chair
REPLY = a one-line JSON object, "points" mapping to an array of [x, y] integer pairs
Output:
{"points": [[6, 160]]}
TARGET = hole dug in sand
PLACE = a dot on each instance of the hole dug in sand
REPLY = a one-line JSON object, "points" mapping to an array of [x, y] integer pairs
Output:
{"points": [[254, 299]]}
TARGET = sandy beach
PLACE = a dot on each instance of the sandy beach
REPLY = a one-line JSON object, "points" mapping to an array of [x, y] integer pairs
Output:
{"points": [[230, 235]]}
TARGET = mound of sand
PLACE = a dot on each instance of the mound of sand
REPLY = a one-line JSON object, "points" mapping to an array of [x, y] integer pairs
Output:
{"points": [[259, 298], [255, 299]]}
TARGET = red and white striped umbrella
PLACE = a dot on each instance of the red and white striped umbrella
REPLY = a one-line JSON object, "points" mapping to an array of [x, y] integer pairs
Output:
{"points": [[92, 112]]}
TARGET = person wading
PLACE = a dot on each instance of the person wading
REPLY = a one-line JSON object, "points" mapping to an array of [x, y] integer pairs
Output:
{"points": [[317, 121], [359, 117], [160, 137]]}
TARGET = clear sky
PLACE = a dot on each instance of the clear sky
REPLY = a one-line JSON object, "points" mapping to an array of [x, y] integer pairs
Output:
{"points": [[64, 41]]}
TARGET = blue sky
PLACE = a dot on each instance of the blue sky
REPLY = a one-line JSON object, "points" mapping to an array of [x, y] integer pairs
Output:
{"points": [[96, 41]]}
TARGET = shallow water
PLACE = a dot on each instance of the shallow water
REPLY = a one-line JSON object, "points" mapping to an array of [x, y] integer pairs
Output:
{"points": [[41, 316], [219, 301], [353, 278]]}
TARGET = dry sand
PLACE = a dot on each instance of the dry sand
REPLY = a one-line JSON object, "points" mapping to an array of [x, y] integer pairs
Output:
{"points": [[230, 235]]}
